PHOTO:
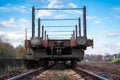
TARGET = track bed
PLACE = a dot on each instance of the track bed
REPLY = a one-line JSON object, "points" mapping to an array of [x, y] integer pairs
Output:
{"points": [[58, 72]]}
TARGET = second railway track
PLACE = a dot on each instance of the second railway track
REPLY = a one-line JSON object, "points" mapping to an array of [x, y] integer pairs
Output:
{"points": [[58, 73]]}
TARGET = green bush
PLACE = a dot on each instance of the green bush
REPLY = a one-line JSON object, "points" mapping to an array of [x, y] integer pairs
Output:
{"points": [[5, 52], [117, 60], [20, 52], [6, 49]]}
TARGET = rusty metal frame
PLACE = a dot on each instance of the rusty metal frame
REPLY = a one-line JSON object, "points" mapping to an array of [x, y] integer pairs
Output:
{"points": [[79, 23]]}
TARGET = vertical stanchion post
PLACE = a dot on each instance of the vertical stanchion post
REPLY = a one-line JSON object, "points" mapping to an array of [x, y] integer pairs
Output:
{"points": [[76, 30], [45, 35], [25, 33], [38, 27], [79, 24], [33, 23], [73, 34], [42, 31], [84, 22]]}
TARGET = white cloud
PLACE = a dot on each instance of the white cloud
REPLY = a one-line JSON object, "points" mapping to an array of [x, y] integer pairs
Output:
{"points": [[118, 44], [16, 33], [118, 17], [60, 16], [37, 1], [95, 19], [12, 23], [55, 3], [107, 47], [78, 12], [113, 47], [4, 9], [23, 23], [91, 17], [73, 12], [8, 24], [110, 46], [51, 4], [117, 9], [72, 5], [15, 38], [44, 13], [16, 8], [112, 34]]}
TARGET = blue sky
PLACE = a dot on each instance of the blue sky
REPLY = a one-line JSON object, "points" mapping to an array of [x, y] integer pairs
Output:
{"points": [[103, 20]]}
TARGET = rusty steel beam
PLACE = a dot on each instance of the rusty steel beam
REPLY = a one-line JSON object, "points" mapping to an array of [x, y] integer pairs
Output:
{"points": [[60, 35], [59, 26], [59, 31], [38, 27], [84, 22], [56, 19], [79, 24], [33, 23], [58, 8]]}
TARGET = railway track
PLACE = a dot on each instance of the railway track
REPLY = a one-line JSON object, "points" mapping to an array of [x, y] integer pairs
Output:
{"points": [[61, 73], [88, 75], [28, 75]]}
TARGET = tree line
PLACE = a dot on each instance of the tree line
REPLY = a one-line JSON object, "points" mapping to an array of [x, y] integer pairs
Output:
{"points": [[8, 51]]}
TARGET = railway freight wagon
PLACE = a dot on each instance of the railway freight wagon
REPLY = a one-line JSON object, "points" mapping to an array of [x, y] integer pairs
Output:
{"points": [[46, 48]]}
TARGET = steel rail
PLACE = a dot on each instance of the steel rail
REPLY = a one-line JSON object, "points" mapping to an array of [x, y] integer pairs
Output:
{"points": [[24, 75], [85, 74], [89, 74]]}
